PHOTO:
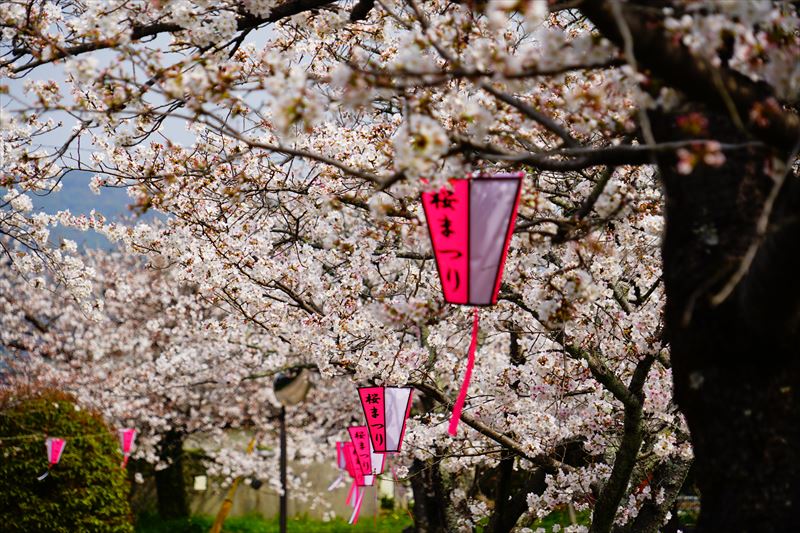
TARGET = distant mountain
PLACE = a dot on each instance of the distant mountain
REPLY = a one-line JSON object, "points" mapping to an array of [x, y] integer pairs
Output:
{"points": [[76, 196]]}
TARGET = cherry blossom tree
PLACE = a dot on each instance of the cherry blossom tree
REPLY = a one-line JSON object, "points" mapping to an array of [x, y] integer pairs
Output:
{"points": [[294, 210], [162, 358]]}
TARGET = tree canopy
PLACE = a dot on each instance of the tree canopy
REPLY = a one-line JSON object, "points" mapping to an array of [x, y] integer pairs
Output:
{"points": [[286, 144]]}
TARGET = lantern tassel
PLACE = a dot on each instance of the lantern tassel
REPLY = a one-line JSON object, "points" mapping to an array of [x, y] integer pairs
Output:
{"points": [[46, 473], [357, 508], [124, 462], [336, 483], [462, 395]]}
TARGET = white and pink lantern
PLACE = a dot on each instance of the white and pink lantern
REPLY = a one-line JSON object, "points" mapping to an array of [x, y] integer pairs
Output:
{"points": [[127, 436], [352, 464], [377, 460], [355, 496], [55, 447], [341, 461], [341, 465], [386, 410], [359, 436], [470, 226]]}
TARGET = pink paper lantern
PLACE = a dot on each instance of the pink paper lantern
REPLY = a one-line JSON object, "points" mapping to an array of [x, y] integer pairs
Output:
{"points": [[353, 465], [359, 435], [341, 464], [127, 437], [377, 460], [386, 410], [341, 461], [55, 447], [361, 453], [470, 228], [363, 464], [356, 493]]}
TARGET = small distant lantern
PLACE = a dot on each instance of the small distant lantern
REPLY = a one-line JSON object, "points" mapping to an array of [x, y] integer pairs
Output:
{"points": [[386, 410], [359, 436], [357, 471], [55, 447], [341, 464], [127, 437]]}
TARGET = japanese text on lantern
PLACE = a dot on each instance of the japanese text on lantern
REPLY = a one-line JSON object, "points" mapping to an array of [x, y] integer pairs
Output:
{"points": [[447, 212], [360, 438], [372, 399]]}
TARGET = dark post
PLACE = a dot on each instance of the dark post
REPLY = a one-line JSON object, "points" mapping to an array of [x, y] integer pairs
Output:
{"points": [[284, 495], [291, 388]]}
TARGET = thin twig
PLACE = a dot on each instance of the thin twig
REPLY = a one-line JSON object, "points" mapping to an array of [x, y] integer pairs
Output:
{"points": [[761, 232]]}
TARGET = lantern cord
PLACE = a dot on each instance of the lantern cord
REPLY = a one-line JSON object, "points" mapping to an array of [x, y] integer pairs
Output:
{"points": [[377, 508], [462, 395], [397, 482]]}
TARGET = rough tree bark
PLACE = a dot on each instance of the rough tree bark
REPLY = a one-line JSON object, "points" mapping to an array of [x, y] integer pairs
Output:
{"points": [[502, 490], [669, 477], [511, 494], [735, 359], [736, 364], [170, 484], [430, 497], [632, 397]]}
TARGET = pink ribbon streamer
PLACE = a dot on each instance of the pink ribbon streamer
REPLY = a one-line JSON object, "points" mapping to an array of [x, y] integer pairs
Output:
{"points": [[462, 395], [349, 500], [336, 482], [357, 508]]}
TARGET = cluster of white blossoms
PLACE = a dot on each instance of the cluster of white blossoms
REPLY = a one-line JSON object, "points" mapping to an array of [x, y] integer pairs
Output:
{"points": [[260, 8], [288, 165], [763, 39]]}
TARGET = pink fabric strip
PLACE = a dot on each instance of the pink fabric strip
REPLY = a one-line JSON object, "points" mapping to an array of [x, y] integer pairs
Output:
{"points": [[336, 482], [350, 500], [357, 509], [462, 395]]}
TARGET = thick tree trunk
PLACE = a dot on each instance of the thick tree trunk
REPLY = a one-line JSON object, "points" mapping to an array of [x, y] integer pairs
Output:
{"points": [[667, 477], [615, 488], [430, 497], [736, 364], [511, 495], [500, 520], [170, 484]]}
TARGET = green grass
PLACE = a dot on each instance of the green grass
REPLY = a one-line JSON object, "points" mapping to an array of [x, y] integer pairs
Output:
{"points": [[393, 523]]}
